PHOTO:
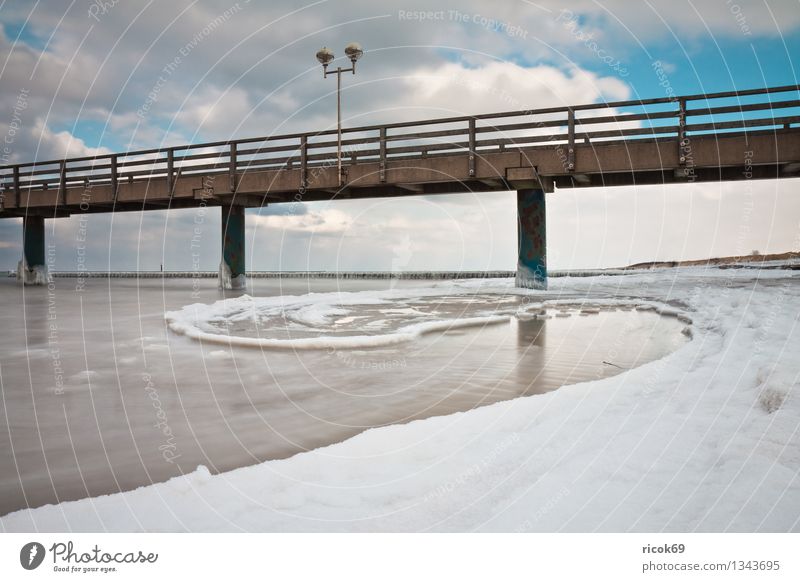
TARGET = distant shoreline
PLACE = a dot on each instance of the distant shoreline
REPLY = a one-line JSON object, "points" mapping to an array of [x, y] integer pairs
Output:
{"points": [[745, 261], [752, 258], [409, 275]]}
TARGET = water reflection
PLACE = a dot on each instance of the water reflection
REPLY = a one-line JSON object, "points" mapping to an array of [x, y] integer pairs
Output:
{"points": [[530, 332]]}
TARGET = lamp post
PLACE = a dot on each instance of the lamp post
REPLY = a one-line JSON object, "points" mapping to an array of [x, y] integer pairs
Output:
{"points": [[325, 56]]}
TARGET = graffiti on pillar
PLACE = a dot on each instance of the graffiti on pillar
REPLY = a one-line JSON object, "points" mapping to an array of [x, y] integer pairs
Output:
{"points": [[532, 264]]}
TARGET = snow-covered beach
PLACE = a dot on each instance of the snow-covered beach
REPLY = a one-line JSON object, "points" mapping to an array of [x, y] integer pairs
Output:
{"points": [[704, 439]]}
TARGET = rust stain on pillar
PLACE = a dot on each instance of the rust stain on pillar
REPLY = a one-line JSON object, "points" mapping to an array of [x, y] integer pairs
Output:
{"points": [[233, 233]]}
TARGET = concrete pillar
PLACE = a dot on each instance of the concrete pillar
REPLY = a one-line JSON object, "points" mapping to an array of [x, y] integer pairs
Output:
{"points": [[231, 268], [531, 239], [32, 269]]}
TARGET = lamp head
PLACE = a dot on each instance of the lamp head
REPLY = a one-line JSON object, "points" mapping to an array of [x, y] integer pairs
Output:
{"points": [[353, 51], [325, 56]]}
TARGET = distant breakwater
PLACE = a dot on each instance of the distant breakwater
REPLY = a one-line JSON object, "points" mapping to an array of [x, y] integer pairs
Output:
{"points": [[443, 275]]}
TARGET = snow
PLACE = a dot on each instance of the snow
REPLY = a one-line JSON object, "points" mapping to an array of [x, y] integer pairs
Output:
{"points": [[318, 313], [705, 439], [227, 281], [404, 334], [31, 276], [529, 278]]}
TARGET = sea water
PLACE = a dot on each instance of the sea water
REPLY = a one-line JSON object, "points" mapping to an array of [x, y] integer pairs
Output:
{"points": [[111, 384]]}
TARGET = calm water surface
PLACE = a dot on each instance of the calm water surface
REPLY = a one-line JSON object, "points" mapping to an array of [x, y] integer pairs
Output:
{"points": [[98, 396]]}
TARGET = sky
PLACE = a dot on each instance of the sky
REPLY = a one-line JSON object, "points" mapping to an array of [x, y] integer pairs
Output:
{"points": [[82, 77]]}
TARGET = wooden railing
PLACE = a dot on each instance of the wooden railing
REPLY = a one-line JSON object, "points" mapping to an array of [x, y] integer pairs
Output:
{"points": [[474, 135]]}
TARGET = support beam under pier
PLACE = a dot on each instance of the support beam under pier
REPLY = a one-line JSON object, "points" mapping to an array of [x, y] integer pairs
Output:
{"points": [[531, 239], [32, 269], [231, 268]]}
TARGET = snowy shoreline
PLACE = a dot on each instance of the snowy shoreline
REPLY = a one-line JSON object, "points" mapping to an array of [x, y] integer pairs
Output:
{"points": [[705, 439]]}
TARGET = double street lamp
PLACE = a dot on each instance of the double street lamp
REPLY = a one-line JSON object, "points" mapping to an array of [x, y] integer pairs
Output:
{"points": [[325, 56]]}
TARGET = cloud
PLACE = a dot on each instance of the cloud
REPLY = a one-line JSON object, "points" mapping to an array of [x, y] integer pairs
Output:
{"points": [[455, 89], [293, 208], [641, 20], [323, 222], [605, 227], [253, 73]]}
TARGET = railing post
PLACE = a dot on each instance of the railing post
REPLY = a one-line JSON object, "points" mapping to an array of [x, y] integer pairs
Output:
{"points": [[232, 168], [303, 163], [17, 191], [62, 182], [114, 178], [472, 146], [681, 131], [3, 189], [170, 171], [382, 162], [571, 140]]}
